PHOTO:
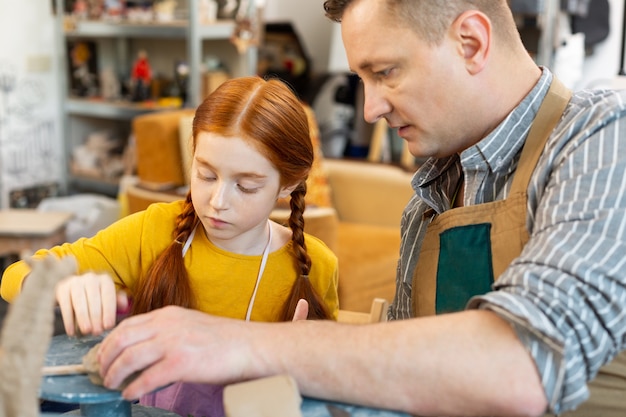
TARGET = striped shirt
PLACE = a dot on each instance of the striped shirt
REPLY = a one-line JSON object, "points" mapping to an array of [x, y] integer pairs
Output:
{"points": [[566, 293]]}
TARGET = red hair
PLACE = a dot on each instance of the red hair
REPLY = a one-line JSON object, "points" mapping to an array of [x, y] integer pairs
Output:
{"points": [[268, 115]]}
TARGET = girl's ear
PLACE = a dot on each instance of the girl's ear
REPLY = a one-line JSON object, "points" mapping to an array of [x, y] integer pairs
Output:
{"points": [[285, 191]]}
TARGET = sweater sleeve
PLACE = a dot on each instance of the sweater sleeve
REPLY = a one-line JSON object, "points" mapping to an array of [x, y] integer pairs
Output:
{"points": [[124, 250]]}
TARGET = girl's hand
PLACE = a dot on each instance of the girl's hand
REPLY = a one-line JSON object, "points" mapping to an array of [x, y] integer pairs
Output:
{"points": [[89, 303], [302, 310]]}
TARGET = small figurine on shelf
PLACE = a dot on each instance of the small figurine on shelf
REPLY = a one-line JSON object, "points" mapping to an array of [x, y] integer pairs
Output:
{"points": [[181, 77], [83, 68], [227, 9], [99, 156], [109, 84], [96, 8], [208, 11], [164, 10], [247, 31], [140, 77], [80, 9], [114, 10], [139, 11]]}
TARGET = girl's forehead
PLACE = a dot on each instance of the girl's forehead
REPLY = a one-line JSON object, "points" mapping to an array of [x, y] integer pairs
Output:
{"points": [[213, 140], [233, 151]]}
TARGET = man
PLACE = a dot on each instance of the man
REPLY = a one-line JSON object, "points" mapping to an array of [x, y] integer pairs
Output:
{"points": [[547, 221]]}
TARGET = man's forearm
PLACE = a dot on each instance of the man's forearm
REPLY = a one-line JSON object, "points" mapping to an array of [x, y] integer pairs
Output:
{"points": [[468, 363]]}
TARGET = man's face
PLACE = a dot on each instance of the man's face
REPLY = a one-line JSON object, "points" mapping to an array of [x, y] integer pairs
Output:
{"points": [[415, 86]]}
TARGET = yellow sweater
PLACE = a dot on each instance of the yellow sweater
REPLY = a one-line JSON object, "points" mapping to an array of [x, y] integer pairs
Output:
{"points": [[222, 281]]}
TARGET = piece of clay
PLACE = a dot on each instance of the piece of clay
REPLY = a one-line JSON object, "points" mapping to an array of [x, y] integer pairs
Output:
{"points": [[91, 364], [22, 352]]}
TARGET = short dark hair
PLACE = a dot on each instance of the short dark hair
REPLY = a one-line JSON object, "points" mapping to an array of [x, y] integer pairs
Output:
{"points": [[431, 18], [334, 9]]}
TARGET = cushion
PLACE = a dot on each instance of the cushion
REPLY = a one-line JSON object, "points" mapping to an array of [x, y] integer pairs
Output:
{"points": [[157, 146], [356, 191]]}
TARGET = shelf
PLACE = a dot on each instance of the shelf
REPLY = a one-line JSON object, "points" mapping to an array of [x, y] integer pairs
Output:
{"points": [[221, 29], [540, 39], [116, 44], [122, 110]]}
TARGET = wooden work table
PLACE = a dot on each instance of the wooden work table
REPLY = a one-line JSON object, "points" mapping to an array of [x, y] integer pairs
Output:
{"points": [[29, 230]]}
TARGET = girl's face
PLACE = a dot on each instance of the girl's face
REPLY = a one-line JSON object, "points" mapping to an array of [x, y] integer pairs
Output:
{"points": [[234, 188]]}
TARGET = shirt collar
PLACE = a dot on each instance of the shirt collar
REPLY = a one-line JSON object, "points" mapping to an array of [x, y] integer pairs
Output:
{"points": [[498, 149]]}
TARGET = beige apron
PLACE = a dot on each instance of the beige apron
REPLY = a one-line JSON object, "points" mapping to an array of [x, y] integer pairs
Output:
{"points": [[491, 235]]}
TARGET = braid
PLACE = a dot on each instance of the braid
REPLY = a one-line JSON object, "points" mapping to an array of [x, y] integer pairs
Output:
{"points": [[186, 221], [296, 224], [166, 282], [302, 287]]}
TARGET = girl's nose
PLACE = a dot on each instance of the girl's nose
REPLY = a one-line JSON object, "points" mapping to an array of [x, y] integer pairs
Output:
{"points": [[219, 196]]}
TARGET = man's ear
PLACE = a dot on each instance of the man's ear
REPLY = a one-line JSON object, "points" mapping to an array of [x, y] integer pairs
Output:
{"points": [[473, 31], [287, 190]]}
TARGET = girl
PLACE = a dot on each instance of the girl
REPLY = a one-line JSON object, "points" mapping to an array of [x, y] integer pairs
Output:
{"points": [[216, 251]]}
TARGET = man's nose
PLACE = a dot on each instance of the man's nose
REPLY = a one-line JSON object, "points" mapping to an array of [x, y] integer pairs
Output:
{"points": [[375, 105]]}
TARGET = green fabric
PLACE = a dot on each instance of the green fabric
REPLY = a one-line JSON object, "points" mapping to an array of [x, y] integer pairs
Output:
{"points": [[464, 267]]}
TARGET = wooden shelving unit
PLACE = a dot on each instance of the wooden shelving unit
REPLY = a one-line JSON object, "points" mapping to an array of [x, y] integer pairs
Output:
{"points": [[117, 45], [538, 24]]}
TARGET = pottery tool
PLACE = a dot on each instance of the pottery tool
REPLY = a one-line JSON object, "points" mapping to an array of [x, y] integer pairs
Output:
{"points": [[56, 370]]}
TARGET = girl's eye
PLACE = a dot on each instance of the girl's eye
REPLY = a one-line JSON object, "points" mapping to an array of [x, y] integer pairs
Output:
{"points": [[247, 190], [206, 177]]}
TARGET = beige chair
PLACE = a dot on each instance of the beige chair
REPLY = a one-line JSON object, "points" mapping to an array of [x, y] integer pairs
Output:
{"points": [[134, 197], [377, 314]]}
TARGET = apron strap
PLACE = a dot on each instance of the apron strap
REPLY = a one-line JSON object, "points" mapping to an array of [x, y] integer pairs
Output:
{"points": [[548, 116], [488, 236]]}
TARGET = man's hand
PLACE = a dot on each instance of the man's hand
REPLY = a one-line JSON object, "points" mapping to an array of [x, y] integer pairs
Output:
{"points": [[176, 344]]}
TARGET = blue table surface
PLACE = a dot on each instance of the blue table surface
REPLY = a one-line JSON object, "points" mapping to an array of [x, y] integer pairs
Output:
{"points": [[318, 408], [77, 389]]}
